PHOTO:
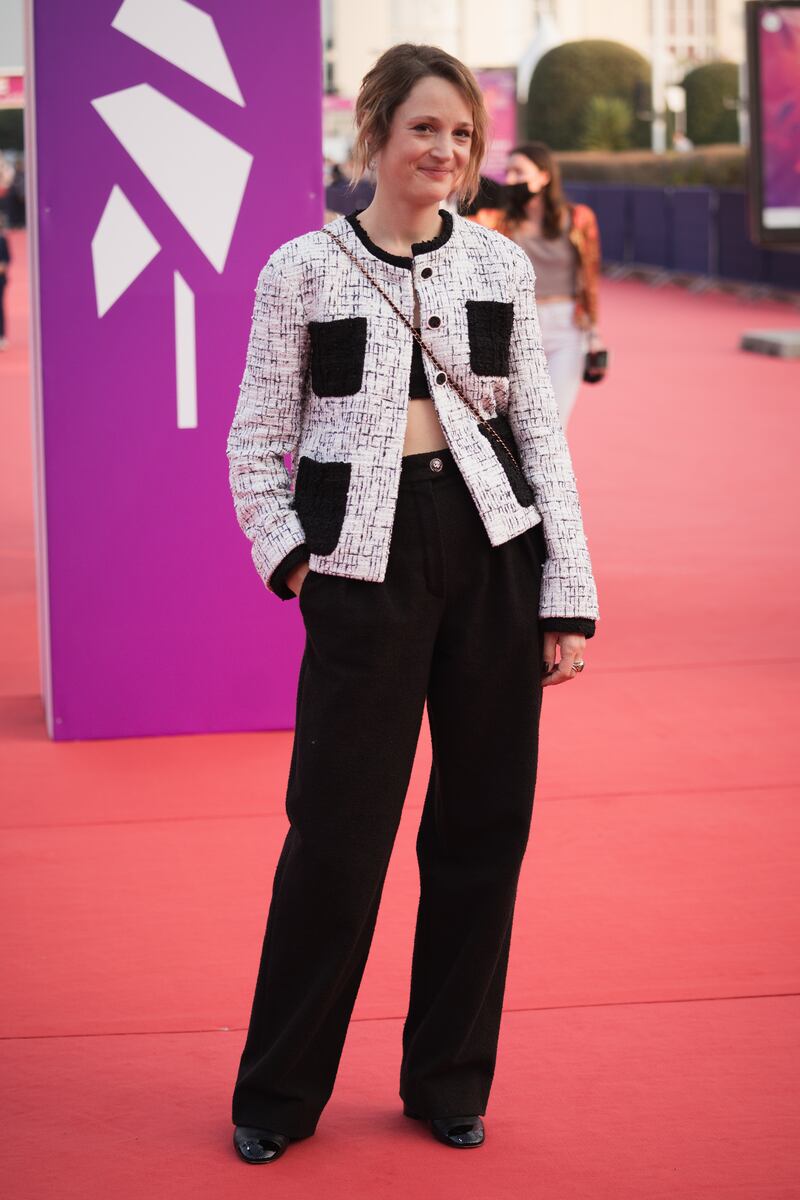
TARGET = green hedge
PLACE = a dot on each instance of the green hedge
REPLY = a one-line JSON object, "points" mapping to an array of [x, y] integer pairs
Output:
{"points": [[708, 121], [570, 77], [608, 124], [713, 166]]}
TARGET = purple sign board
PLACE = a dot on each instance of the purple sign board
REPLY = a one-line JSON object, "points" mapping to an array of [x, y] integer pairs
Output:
{"points": [[172, 147]]}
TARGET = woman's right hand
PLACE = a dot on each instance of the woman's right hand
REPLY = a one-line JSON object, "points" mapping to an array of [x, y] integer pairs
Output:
{"points": [[295, 578]]}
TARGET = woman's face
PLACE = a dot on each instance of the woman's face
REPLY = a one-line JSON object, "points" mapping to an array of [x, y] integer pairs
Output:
{"points": [[428, 148], [521, 169]]}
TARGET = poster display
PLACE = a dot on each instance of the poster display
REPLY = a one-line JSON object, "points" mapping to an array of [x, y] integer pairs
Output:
{"points": [[499, 87], [774, 65]]}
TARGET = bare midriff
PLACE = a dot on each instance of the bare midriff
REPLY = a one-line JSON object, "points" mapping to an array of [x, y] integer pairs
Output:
{"points": [[423, 428]]}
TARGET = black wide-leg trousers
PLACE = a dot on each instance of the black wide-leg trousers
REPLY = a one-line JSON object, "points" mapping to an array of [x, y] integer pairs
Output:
{"points": [[454, 623]]}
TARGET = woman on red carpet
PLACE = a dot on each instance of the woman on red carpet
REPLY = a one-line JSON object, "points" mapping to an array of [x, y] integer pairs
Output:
{"points": [[434, 538], [563, 243]]}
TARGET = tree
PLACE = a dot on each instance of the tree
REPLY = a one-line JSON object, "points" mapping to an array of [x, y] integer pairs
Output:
{"points": [[569, 77], [709, 120], [608, 124]]}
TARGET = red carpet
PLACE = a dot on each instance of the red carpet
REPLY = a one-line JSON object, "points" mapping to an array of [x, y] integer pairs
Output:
{"points": [[650, 1043]]}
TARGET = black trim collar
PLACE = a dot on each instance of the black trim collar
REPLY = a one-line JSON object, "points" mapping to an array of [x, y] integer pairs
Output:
{"points": [[399, 260]]}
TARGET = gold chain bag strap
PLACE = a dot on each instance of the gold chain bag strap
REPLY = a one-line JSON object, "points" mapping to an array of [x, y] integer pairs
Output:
{"points": [[429, 352]]}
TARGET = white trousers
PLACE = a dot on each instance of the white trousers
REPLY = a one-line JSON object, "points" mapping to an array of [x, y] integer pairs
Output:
{"points": [[565, 347]]}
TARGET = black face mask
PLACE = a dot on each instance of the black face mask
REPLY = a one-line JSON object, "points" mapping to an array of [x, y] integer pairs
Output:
{"points": [[516, 195]]}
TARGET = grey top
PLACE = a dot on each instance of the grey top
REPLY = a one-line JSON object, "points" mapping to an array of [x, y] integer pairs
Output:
{"points": [[554, 262]]}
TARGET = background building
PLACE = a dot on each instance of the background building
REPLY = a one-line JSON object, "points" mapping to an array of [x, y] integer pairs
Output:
{"points": [[497, 35]]}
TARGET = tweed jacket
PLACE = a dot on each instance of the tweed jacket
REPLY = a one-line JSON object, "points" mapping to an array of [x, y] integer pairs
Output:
{"points": [[326, 380]]}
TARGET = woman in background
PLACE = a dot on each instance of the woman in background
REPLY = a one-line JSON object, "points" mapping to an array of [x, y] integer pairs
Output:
{"points": [[563, 243]]}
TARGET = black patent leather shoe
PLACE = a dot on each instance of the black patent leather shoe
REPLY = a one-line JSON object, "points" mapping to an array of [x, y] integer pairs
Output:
{"points": [[259, 1145], [464, 1133]]}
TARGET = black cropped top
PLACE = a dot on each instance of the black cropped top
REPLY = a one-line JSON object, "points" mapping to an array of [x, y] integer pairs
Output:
{"points": [[418, 381]]}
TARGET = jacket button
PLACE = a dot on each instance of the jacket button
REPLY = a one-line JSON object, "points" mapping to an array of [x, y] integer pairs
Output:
{"points": [[441, 378], [426, 272], [434, 322]]}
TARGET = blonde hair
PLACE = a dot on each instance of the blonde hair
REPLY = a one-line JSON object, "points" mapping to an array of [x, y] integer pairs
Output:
{"points": [[388, 83]]}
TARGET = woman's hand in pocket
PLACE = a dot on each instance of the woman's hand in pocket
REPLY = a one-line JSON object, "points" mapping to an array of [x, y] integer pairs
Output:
{"points": [[295, 578]]}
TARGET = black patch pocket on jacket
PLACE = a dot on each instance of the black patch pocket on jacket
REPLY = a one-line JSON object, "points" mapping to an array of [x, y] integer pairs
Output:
{"points": [[320, 500], [522, 489], [489, 323], [338, 349]]}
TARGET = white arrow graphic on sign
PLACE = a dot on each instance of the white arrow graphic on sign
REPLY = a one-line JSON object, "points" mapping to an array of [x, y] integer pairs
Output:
{"points": [[121, 249], [175, 150], [183, 35]]}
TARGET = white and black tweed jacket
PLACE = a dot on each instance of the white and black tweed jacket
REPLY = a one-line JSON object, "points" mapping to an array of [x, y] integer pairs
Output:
{"points": [[326, 380]]}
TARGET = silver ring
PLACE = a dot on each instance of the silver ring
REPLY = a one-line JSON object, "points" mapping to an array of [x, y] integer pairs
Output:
{"points": [[578, 665]]}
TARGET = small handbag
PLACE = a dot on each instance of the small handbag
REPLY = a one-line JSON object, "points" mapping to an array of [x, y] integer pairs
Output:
{"points": [[595, 366], [423, 346]]}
